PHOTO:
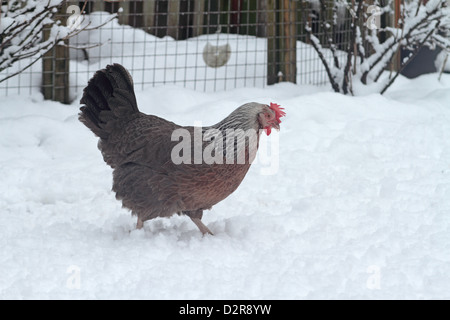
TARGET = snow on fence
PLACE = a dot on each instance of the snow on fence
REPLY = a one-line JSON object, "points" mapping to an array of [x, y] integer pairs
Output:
{"points": [[205, 45]]}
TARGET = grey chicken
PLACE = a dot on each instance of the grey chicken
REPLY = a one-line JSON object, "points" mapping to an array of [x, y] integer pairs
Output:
{"points": [[152, 175]]}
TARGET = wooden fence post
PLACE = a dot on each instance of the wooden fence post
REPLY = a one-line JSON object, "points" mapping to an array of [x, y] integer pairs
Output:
{"points": [[98, 5], [281, 41], [288, 41], [396, 59], [124, 16], [173, 18], [261, 18], [148, 10], [272, 50], [199, 8], [55, 65]]}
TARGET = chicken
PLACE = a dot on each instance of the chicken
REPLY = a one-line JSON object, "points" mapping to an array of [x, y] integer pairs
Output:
{"points": [[154, 173]]}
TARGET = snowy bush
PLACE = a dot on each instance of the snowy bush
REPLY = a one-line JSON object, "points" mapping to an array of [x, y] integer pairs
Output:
{"points": [[22, 23], [366, 57]]}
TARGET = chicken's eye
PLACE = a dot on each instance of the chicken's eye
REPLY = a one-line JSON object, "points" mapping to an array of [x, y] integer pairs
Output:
{"points": [[267, 116]]}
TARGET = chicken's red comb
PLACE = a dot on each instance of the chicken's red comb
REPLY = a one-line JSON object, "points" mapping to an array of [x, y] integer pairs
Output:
{"points": [[278, 111]]}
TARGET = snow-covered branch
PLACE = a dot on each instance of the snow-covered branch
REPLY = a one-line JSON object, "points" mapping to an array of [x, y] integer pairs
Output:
{"points": [[419, 25], [21, 31]]}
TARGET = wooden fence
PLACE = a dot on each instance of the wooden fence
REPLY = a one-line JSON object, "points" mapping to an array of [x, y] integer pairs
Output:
{"points": [[281, 22]]}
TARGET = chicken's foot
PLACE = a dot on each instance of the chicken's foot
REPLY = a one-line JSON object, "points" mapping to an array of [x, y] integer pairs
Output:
{"points": [[204, 229]]}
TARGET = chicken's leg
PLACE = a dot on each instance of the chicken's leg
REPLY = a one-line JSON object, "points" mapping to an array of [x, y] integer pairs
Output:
{"points": [[139, 224], [204, 229]]}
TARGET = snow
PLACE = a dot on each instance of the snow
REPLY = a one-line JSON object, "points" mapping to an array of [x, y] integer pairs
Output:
{"points": [[358, 208], [355, 203], [442, 62], [22, 29]]}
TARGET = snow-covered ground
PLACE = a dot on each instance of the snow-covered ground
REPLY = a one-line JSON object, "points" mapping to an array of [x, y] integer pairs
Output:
{"points": [[358, 208], [358, 205]]}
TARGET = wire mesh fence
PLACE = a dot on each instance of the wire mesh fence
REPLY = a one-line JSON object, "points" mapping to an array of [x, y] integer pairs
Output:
{"points": [[200, 44]]}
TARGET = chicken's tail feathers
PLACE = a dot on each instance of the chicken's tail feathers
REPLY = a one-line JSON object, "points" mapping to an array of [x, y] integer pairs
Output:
{"points": [[109, 96]]}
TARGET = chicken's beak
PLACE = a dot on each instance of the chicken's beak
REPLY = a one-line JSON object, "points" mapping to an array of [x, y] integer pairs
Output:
{"points": [[275, 125]]}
